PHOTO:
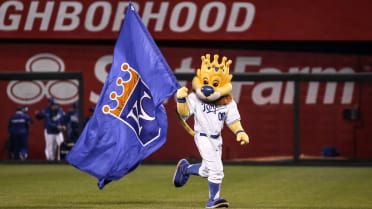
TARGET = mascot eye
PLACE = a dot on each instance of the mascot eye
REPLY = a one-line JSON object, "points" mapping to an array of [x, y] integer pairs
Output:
{"points": [[215, 83], [205, 81]]}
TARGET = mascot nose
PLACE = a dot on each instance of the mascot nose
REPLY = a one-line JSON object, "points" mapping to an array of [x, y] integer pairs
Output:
{"points": [[207, 90]]}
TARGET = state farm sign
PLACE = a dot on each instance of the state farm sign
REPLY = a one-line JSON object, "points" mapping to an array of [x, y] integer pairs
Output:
{"points": [[95, 62]]}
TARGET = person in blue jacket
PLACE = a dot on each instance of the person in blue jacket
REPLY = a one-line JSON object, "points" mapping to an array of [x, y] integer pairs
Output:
{"points": [[72, 121], [53, 116], [72, 124], [18, 129]]}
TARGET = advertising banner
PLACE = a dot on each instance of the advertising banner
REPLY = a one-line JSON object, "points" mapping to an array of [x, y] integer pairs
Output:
{"points": [[300, 20], [266, 108]]}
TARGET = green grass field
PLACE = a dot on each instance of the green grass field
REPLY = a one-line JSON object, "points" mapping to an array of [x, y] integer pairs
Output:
{"points": [[149, 186]]}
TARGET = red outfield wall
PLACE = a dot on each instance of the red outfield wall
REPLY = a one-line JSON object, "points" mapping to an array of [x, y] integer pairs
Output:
{"points": [[266, 107]]}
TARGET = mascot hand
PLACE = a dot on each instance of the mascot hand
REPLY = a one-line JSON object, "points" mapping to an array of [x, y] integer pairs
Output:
{"points": [[182, 92], [243, 138]]}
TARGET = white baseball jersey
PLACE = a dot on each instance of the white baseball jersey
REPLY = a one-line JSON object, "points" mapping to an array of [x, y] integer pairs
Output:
{"points": [[208, 123], [210, 118]]}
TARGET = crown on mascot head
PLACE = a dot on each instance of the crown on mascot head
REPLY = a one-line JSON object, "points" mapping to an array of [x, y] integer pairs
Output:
{"points": [[222, 69]]}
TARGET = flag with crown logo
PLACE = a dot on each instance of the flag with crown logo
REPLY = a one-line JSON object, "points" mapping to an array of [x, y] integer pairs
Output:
{"points": [[129, 122]]}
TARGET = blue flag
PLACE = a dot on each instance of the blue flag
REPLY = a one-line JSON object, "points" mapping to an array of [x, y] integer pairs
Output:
{"points": [[129, 122]]}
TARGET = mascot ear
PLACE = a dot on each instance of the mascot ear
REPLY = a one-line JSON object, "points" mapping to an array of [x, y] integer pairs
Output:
{"points": [[198, 73], [227, 80], [229, 77], [196, 83]]}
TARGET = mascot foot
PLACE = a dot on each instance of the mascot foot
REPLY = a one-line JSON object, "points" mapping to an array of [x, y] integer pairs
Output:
{"points": [[217, 203], [180, 176]]}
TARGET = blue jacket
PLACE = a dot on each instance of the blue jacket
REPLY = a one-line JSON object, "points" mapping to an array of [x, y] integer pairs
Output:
{"points": [[52, 119], [18, 123], [72, 121]]}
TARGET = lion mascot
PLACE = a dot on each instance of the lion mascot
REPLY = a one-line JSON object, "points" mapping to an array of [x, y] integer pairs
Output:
{"points": [[212, 105]]}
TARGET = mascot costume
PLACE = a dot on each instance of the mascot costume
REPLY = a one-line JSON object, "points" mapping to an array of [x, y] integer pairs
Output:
{"points": [[212, 105]]}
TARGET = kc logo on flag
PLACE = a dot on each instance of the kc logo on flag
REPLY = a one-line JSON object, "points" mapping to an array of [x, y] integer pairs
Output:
{"points": [[137, 114]]}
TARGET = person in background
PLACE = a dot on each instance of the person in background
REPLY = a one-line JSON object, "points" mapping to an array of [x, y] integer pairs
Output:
{"points": [[53, 116], [71, 120], [18, 128]]}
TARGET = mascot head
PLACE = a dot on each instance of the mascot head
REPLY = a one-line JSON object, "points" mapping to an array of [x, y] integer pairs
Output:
{"points": [[212, 81]]}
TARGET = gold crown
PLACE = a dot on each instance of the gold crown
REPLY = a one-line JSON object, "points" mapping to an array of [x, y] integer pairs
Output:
{"points": [[127, 87], [223, 67]]}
